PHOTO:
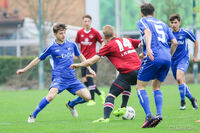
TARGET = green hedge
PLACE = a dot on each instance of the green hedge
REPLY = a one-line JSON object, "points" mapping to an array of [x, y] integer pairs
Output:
{"points": [[10, 64]]}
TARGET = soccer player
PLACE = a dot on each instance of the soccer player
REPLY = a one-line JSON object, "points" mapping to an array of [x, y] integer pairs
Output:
{"points": [[156, 61], [87, 38], [64, 78], [122, 54], [180, 59]]}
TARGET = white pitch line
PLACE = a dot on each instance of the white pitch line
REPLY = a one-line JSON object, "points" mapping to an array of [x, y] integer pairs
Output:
{"points": [[5, 124]]}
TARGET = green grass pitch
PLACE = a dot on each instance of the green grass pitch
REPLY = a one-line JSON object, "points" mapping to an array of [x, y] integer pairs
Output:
{"points": [[16, 106]]}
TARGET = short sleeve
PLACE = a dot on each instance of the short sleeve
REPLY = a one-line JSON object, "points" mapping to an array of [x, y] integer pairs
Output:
{"points": [[104, 50], [45, 53], [190, 35], [77, 40], [142, 25], [135, 42], [99, 37], [76, 50]]}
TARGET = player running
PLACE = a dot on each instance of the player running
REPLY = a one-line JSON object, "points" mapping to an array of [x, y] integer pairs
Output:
{"points": [[180, 59], [87, 37], [61, 52], [122, 54], [156, 61]]}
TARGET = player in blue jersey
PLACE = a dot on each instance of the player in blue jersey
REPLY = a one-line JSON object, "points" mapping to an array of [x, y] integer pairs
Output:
{"points": [[61, 52], [156, 61], [180, 59]]}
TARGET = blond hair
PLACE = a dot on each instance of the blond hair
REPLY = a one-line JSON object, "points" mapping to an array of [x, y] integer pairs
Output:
{"points": [[108, 31]]}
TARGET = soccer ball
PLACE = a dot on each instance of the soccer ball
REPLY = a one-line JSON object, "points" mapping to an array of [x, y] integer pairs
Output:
{"points": [[130, 113]]}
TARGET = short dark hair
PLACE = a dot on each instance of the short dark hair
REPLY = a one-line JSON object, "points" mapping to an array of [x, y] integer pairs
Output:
{"points": [[87, 16], [147, 9], [58, 27], [175, 16]]}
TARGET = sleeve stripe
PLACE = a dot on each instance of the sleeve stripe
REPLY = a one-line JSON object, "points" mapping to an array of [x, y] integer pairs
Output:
{"points": [[46, 49], [190, 35], [143, 23]]}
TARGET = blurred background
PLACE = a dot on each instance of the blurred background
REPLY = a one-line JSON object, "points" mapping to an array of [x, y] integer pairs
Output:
{"points": [[26, 29]]}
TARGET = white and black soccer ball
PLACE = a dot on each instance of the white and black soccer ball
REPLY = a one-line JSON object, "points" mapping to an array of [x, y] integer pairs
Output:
{"points": [[130, 113]]}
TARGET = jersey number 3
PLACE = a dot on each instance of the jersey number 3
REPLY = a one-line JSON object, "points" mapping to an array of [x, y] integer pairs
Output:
{"points": [[159, 30], [126, 43]]}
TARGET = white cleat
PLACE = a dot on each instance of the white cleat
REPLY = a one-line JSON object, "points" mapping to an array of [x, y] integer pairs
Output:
{"points": [[31, 119], [72, 110]]}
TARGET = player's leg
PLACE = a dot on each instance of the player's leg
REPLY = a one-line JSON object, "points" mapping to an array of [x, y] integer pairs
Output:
{"points": [[115, 91], [158, 98], [180, 78], [51, 95], [185, 91], [144, 101]]}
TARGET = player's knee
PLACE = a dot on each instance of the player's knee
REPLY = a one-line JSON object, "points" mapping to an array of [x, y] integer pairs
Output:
{"points": [[179, 80], [87, 98], [50, 97]]}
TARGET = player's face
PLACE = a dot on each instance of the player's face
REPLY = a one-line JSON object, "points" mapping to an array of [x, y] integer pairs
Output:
{"points": [[87, 22], [60, 35], [175, 24]]}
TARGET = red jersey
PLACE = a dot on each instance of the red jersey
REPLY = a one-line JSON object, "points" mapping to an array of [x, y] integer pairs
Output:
{"points": [[88, 41], [122, 54]]}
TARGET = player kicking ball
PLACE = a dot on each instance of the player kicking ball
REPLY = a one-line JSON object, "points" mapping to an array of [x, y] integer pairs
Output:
{"points": [[180, 59], [61, 52], [122, 54]]}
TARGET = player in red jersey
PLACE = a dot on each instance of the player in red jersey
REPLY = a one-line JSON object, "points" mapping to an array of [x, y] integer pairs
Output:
{"points": [[87, 38], [122, 54]]}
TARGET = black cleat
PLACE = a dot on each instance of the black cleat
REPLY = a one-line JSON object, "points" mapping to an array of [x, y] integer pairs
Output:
{"points": [[156, 121], [182, 107], [148, 122], [194, 103]]}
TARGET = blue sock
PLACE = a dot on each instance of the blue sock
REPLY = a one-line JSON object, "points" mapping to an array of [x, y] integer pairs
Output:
{"points": [[144, 101], [182, 91], [158, 97], [76, 101], [187, 92], [40, 106]]}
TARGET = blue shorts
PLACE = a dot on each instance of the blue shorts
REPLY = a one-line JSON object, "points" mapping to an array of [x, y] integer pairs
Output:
{"points": [[156, 69], [72, 85], [181, 65]]}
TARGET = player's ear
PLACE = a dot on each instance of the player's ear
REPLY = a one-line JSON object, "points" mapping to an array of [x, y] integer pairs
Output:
{"points": [[153, 14]]}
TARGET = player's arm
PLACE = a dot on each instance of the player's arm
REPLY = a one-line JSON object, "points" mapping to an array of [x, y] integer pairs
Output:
{"points": [[173, 46], [148, 37], [196, 47], [29, 66], [83, 59], [86, 63]]}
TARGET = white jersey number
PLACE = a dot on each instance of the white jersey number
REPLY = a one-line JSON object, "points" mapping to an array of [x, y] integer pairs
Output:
{"points": [[126, 43], [159, 30]]}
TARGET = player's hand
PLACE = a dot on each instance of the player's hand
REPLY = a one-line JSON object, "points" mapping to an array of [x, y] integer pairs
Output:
{"points": [[150, 54], [20, 71], [141, 55], [74, 66], [92, 72], [195, 59]]}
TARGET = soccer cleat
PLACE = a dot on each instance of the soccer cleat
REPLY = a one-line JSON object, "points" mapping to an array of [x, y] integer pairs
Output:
{"points": [[102, 97], [156, 121], [119, 112], [31, 119], [182, 107], [72, 110], [194, 103], [91, 103], [148, 122], [101, 120]]}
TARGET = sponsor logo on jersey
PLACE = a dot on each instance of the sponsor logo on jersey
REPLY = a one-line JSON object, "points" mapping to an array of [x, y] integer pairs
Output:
{"points": [[180, 42], [91, 36], [82, 35], [180, 37], [57, 50], [86, 42]]}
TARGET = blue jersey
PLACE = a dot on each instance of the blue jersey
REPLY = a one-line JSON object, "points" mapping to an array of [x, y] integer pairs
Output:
{"points": [[161, 35], [61, 58], [182, 50]]}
